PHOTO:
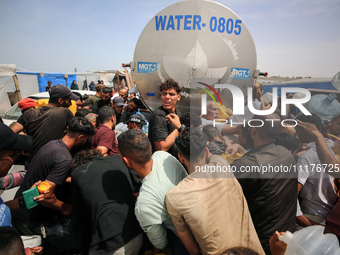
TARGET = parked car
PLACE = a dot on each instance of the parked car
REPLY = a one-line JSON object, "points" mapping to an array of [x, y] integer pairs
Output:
{"points": [[13, 113]]}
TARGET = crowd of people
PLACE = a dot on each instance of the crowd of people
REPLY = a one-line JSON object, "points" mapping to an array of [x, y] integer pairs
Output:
{"points": [[189, 185]]}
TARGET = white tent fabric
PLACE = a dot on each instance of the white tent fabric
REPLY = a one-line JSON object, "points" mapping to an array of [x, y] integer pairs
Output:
{"points": [[4, 101], [8, 82], [7, 69], [107, 78], [28, 84], [81, 77]]}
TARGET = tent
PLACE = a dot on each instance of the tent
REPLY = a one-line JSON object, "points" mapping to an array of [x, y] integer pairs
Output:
{"points": [[11, 80], [4, 101], [34, 82], [85, 79]]}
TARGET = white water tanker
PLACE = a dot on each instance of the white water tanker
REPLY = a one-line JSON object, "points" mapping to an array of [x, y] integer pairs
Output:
{"points": [[198, 44]]}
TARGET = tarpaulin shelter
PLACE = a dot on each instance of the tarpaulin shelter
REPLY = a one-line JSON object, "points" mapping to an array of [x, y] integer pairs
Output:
{"points": [[306, 85], [55, 78]]}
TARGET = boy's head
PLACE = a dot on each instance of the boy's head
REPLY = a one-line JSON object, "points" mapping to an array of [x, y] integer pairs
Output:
{"points": [[289, 141], [170, 94], [80, 129], [211, 132], [10, 242], [107, 114], [191, 120], [134, 146], [191, 144]]}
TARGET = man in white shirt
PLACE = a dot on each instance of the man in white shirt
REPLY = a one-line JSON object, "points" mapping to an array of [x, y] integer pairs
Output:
{"points": [[159, 172], [316, 188]]}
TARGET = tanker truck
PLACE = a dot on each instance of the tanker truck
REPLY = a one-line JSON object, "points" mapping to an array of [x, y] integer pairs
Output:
{"points": [[198, 44]]}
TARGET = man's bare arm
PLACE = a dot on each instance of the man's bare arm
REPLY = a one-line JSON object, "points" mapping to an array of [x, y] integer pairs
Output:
{"points": [[229, 130], [170, 139], [103, 150], [312, 134], [51, 201], [17, 128], [189, 242]]}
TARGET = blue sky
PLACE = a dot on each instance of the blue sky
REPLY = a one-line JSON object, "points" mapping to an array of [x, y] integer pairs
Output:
{"points": [[292, 37]]}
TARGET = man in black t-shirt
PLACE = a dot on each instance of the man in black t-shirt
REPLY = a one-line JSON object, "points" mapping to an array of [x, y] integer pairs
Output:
{"points": [[48, 122], [164, 124], [271, 195], [49, 86], [51, 164], [103, 198]]}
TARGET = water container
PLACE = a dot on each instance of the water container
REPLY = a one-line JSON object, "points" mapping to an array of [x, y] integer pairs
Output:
{"points": [[311, 241], [216, 47], [325, 106], [145, 128]]}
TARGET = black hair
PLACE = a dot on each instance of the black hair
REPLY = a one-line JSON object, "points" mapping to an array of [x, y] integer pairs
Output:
{"points": [[170, 84], [136, 101], [314, 119], [135, 145], [78, 95], [10, 242], [211, 132], [270, 129], [87, 104], [82, 112], [84, 156], [240, 251], [287, 140], [245, 132], [54, 100], [105, 113], [80, 125], [85, 97], [107, 90], [191, 142], [189, 119], [139, 125]]}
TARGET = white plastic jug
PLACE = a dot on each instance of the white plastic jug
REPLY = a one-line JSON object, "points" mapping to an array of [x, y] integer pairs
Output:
{"points": [[325, 106], [311, 241]]}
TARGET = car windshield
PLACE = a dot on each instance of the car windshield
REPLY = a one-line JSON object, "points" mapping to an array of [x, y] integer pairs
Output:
{"points": [[13, 113]]}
